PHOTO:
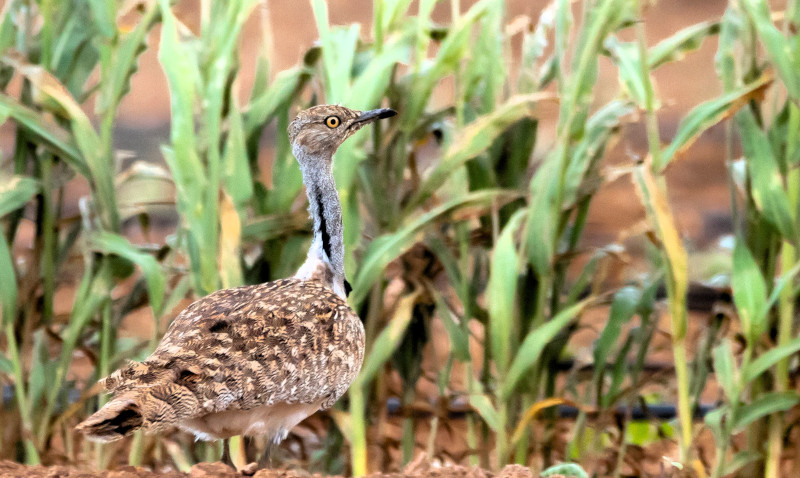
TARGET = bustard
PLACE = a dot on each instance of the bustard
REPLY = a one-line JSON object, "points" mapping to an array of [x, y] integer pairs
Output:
{"points": [[256, 360]]}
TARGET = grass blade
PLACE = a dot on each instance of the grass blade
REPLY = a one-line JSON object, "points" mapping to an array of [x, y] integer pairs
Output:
{"points": [[710, 113], [531, 348], [749, 292]]}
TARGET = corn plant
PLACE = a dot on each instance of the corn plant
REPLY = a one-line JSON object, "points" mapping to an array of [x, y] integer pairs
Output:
{"points": [[55, 141], [765, 193], [456, 212]]}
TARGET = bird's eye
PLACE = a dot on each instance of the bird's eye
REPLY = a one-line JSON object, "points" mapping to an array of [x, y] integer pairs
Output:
{"points": [[332, 121]]}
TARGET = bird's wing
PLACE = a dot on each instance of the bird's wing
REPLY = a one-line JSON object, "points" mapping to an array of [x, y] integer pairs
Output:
{"points": [[287, 341]]}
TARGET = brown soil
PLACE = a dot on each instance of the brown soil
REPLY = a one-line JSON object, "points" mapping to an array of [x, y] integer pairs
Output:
{"points": [[206, 470]]}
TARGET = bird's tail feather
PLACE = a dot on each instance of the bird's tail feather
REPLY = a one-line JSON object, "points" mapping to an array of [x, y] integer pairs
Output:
{"points": [[118, 418], [155, 408]]}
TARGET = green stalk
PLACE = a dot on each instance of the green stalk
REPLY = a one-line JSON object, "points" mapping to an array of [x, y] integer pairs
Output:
{"points": [[501, 443], [104, 367], [91, 294], [786, 310], [24, 405], [50, 242], [571, 103], [462, 235], [472, 433], [359, 432], [357, 390], [676, 287], [521, 453], [722, 449], [136, 454]]}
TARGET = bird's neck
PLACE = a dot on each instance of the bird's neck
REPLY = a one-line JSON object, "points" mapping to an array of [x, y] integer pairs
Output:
{"points": [[325, 261]]}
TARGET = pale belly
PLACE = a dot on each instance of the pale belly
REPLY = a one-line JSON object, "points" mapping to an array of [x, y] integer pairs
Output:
{"points": [[273, 421]]}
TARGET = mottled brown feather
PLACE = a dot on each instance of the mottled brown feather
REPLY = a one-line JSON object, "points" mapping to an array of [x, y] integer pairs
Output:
{"points": [[284, 342]]}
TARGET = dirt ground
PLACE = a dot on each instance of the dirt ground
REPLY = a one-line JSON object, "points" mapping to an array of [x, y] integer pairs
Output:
{"points": [[418, 468]]}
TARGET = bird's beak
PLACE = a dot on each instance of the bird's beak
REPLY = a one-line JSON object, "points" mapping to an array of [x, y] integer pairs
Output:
{"points": [[373, 115]]}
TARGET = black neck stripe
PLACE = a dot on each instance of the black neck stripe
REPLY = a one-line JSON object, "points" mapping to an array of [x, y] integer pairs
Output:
{"points": [[326, 238]]}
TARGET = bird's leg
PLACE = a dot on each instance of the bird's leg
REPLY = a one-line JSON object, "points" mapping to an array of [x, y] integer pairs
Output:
{"points": [[266, 458]]}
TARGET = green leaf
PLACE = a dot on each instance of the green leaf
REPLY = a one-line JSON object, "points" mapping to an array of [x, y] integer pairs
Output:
{"points": [[122, 56], [709, 113], [388, 340], [739, 460], [777, 46], [749, 292], [264, 107], [762, 406], [8, 286], [6, 365], [626, 57], [717, 422], [84, 133], [180, 65], [568, 470], [264, 228], [535, 341], [371, 84], [104, 13], [675, 47], [236, 167], [730, 36], [540, 228], [459, 338], [110, 243], [582, 179], [338, 53], [725, 369], [52, 136], [533, 46], [15, 192], [623, 307], [768, 359], [767, 189], [501, 292], [386, 248], [474, 139], [389, 13], [481, 404]]}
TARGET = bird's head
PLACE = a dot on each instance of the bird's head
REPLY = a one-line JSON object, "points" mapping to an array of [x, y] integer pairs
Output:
{"points": [[320, 130]]}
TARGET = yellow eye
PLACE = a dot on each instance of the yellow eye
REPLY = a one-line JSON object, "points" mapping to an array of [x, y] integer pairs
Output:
{"points": [[332, 121]]}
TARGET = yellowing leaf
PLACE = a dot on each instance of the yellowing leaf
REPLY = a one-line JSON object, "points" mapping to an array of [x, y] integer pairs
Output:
{"points": [[230, 270]]}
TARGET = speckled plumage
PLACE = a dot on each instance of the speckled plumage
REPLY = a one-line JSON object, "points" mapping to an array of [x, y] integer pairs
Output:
{"points": [[256, 359], [283, 342]]}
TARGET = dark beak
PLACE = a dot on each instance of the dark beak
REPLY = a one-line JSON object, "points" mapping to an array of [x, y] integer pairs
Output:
{"points": [[373, 115]]}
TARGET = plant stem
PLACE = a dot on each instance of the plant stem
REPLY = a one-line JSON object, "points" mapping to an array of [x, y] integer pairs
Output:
{"points": [[50, 242], [31, 454], [358, 451], [502, 434], [786, 310], [676, 285]]}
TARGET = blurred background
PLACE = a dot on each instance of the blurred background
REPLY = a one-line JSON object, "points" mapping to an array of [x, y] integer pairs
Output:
{"points": [[561, 252]]}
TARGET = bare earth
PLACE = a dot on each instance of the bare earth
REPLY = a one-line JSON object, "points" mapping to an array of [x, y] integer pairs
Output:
{"points": [[10, 469]]}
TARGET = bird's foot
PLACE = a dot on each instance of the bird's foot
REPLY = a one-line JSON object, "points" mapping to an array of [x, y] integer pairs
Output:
{"points": [[249, 469]]}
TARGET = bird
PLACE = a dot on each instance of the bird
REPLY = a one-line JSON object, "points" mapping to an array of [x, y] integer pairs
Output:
{"points": [[258, 359]]}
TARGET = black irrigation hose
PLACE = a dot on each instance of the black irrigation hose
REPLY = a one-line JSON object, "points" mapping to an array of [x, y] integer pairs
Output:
{"points": [[659, 411]]}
